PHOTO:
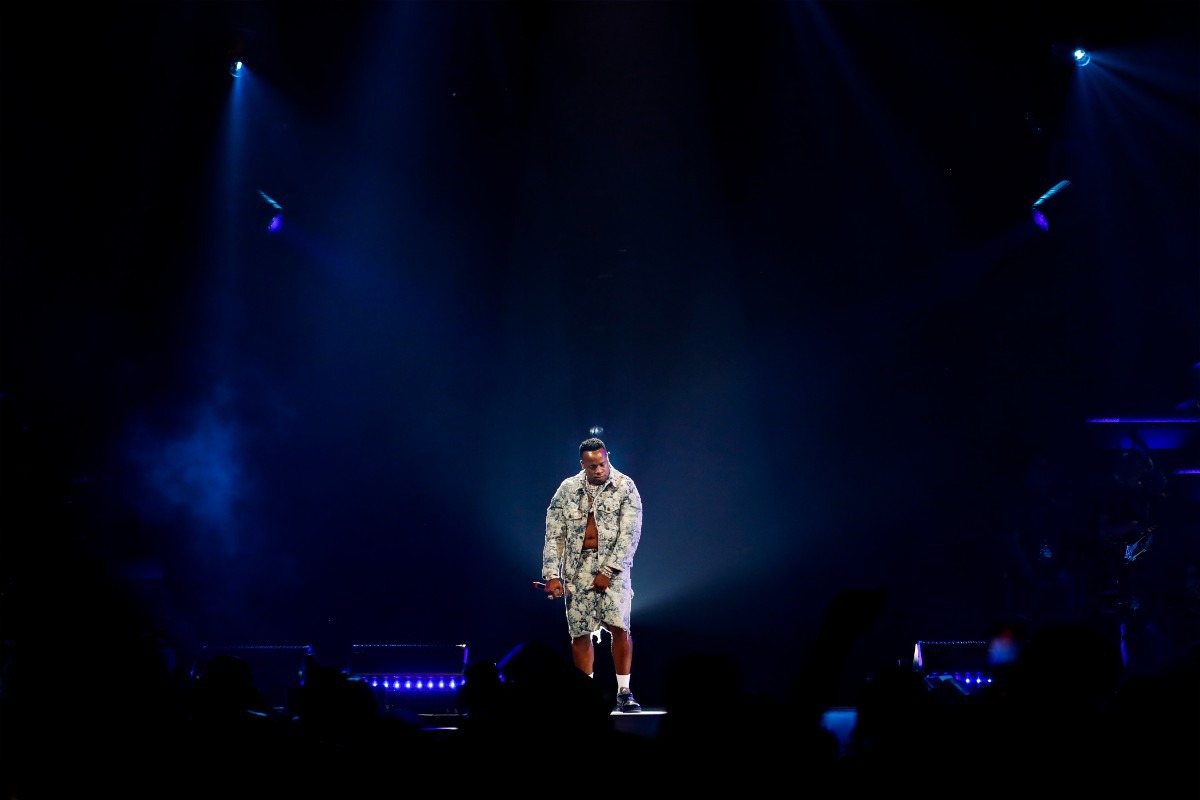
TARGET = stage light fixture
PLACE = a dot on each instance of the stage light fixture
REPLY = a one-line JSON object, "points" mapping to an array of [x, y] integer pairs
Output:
{"points": [[241, 42], [272, 212], [1082, 57], [1048, 202]]}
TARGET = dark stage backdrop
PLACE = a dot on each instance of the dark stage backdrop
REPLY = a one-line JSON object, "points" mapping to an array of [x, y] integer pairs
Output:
{"points": [[780, 253]]}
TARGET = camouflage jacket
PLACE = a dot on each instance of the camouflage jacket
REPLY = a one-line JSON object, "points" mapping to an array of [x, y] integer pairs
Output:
{"points": [[618, 523]]}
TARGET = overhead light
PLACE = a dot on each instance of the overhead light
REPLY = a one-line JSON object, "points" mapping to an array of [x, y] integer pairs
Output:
{"points": [[1072, 54], [1048, 202], [240, 46], [272, 212]]}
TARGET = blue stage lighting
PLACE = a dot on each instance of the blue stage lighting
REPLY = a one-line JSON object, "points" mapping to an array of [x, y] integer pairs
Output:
{"points": [[1045, 202], [273, 213]]}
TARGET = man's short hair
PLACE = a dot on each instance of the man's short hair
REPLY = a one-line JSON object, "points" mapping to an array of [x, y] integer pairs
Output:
{"points": [[590, 445]]}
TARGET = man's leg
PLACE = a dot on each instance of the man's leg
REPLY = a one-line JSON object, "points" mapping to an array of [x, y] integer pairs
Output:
{"points": [[622, 650], [583, 653]]}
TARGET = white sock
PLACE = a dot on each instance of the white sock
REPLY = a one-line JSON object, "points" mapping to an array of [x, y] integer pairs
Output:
{"points": [[622, 682]]}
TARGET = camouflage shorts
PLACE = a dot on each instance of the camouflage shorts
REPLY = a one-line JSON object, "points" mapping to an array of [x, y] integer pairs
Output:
{"points": [[588, 610]]}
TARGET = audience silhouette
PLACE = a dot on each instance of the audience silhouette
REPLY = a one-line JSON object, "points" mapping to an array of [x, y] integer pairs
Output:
{"points": [[1062, 713]]}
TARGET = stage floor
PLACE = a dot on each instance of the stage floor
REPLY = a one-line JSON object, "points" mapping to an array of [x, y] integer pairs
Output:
{"points": [[839, 721]]}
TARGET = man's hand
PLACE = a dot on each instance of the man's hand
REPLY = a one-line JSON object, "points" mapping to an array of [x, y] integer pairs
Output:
{"points": [[554, 588], [600, 582]]}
